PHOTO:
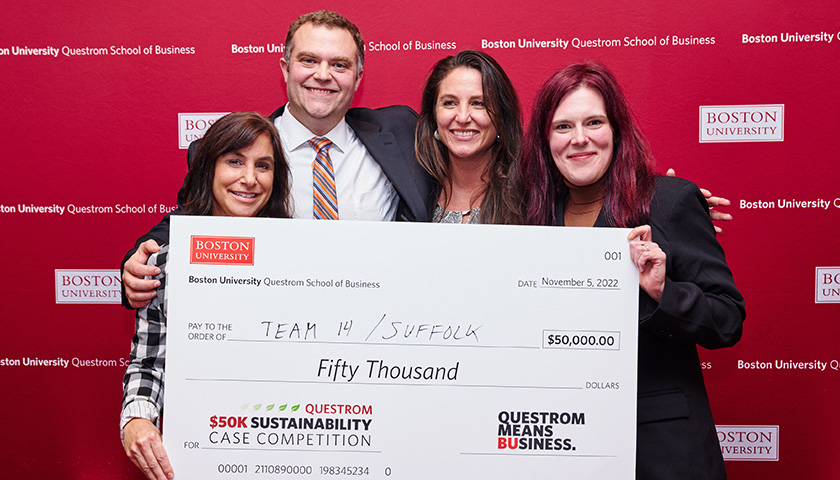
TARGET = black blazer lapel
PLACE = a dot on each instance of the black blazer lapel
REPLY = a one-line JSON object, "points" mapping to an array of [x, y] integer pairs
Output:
{"points": [[388, 153]]}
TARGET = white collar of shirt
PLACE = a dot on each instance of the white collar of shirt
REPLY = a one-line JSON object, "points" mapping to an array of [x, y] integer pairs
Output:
{"points": [[295, 135], [364, 192]]}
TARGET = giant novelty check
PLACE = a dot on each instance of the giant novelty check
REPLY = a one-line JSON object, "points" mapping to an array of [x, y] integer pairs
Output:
{"points": [[318, 349]]}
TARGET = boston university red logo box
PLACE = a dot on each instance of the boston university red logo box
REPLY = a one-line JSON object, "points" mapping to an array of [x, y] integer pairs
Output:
{"points": [[212, 250]]}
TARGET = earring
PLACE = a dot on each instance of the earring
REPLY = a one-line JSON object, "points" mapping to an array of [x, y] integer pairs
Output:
{"points": [[498, 138], [437, 137]]}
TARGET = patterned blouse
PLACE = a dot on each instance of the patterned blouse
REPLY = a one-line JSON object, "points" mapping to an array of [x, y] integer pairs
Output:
{"points": [[446, 216]]}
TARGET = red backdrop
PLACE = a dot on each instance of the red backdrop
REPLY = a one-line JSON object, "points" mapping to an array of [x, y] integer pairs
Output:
{"points": [[98, 132]]}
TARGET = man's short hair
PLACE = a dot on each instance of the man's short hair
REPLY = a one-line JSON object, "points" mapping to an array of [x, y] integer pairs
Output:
{"points": [[328, 19]]}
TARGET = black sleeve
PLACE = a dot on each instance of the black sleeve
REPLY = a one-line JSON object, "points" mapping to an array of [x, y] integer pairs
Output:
{"points": [[700, 303]]}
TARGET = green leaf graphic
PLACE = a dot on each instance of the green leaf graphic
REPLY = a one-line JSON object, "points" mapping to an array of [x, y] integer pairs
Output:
{"points": [[257, 406], [295, 408], [282, 407], [270, 407]]}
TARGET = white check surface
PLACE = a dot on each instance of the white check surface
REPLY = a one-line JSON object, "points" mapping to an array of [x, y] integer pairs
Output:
{"points": [[509, 337]]}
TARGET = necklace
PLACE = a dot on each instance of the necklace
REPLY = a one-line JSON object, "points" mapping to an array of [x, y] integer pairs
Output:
{"points": [[583, 212], [599, 199], [594, 205], [447, 216]]}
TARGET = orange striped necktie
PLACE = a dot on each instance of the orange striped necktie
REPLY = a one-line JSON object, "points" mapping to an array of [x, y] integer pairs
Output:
{"points": [[324, 199]]}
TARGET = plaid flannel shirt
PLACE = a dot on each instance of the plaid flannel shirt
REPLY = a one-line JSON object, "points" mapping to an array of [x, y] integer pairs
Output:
{"points": [[143, 380]]}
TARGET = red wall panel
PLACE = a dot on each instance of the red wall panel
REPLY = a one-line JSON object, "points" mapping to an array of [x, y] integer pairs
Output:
{"points": [[102, 130]]}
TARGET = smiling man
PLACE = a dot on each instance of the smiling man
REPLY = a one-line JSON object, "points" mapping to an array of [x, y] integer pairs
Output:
{"points": [[371, 151], [323, 68], [346, 163]]}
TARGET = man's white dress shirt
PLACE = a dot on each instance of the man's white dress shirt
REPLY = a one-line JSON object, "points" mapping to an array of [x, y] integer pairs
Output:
{"points": [[364, 192]]}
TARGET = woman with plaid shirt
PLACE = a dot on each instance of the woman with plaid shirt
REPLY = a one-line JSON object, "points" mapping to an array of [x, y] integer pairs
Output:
{"points": [[238, 170]]}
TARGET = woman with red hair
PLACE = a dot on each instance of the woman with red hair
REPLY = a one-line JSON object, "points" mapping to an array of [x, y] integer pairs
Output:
{"points": [[587, 164]]}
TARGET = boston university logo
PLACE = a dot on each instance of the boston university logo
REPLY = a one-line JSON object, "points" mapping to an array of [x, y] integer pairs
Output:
{"points": [[749, 442], [191, 126], [222, 250], [91, 285], [742, 123], [828, 285]]}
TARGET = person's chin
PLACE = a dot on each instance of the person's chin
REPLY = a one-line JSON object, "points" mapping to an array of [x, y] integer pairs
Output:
{"points": [[320, 111]]}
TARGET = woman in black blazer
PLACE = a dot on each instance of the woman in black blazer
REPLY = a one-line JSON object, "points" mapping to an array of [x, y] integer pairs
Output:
{"points": [[586, 163]]}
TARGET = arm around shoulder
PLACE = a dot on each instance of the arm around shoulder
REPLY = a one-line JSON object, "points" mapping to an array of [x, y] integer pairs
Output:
{"points": [[700, 302], [138, 288]]}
